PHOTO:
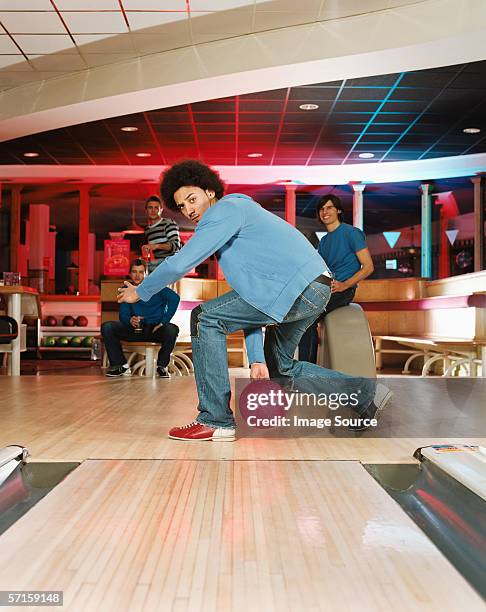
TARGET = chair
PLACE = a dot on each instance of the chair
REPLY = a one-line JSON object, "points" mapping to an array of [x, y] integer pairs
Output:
{"points": [[345, 342], [31, 311]]}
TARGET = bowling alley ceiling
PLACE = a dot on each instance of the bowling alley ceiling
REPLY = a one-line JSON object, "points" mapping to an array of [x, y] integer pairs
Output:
{"points": [[395, 117], [43, 39]]}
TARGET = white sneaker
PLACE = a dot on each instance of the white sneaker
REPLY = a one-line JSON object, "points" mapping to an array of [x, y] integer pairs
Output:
{"points": [[382, 396], [117, 371], [224, 434]]}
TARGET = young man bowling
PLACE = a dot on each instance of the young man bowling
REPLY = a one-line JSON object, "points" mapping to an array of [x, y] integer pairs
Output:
{"points": [[279, 281]]}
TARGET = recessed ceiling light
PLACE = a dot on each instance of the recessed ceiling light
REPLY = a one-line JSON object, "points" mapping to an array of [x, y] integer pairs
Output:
{"points": [[255, 154], [143, 154], [309, 106], [366, 155], [471, 130], [129, 128], [31, 154]]}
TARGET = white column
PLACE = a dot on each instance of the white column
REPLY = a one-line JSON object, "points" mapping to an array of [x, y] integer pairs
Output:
{"points": [[358, 189], [14, 311], [426, 231], [38, 235]]}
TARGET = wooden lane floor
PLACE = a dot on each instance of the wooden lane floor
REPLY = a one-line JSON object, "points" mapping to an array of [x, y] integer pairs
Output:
{"points": [[131, 535], [73, 418]]}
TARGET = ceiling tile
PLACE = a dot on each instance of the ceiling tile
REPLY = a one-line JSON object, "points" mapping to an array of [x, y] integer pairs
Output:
{"points": [[275, 94], [226, 24], [313, 94], [154, 5], [44, 43], [364, 93], [88, 5], [100, 43], [140, 19], [7, 45], [26, 5], [95, 23], [55, 63], [217, 5], [32, 23]]}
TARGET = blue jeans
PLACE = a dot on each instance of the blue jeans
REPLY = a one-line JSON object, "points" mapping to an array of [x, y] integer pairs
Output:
{"points": [[310, 340], [213, 320]]}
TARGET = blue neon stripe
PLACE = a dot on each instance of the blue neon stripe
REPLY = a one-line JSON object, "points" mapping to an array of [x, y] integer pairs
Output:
{"points": [[375, 114]]}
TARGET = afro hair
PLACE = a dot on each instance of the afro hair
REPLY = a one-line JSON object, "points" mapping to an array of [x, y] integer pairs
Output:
{"points": [[189, 173]]}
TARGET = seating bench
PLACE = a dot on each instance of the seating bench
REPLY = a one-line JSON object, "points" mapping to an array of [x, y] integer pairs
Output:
{"points": [[442, 340], [454, 352]]}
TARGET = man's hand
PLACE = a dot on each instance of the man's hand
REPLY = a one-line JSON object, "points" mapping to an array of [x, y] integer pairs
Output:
{"points": [[158, 326], [337, 286], [134, 321], [157, 246], [259, 371], [127, 293]]}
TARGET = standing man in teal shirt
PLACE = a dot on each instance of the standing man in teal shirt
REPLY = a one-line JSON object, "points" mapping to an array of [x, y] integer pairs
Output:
{"points": [[345, 251], [279, 282]]}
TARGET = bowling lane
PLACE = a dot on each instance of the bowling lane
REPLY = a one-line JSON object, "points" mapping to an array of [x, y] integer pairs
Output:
{"points": [[61, 418], [223, 535]]}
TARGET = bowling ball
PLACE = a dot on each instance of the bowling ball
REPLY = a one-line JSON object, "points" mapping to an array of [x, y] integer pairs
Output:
{"points": [[81, 321], [68, 321], [51, 321], [50, 341], [76, 341], [62, 341], [88, 341]]}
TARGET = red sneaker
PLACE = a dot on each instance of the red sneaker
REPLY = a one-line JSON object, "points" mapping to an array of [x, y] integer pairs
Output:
{"points": [[196, 431]]}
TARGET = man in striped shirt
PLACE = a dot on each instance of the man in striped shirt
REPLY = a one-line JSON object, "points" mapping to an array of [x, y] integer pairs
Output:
{"points": [[161, 235]]}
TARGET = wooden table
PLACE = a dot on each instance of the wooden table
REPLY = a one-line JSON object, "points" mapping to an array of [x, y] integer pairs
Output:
{"points": [[13, 296]]}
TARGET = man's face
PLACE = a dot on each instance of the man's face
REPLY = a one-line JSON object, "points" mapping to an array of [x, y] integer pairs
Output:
{"points": [[193, 202], [328, 214], [154, 210], [137, 274]]}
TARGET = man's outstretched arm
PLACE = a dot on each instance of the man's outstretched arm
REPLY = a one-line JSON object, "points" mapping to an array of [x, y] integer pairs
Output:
{"points": [[210, 235]]}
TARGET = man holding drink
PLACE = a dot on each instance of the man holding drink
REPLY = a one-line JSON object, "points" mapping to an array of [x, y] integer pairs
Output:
{"points": [[161, 235], [147, 321]]}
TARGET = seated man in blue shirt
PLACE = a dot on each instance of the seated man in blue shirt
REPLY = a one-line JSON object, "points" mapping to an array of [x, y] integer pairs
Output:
{"points": [[155, 314], [279, 282], [344, 250]]}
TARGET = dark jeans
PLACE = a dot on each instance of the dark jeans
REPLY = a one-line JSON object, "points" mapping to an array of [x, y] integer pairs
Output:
{"points": [[114, 332], [310, 340]]}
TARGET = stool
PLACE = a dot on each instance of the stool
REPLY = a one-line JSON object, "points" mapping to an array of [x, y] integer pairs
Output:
{"points": [[179, 364]]}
